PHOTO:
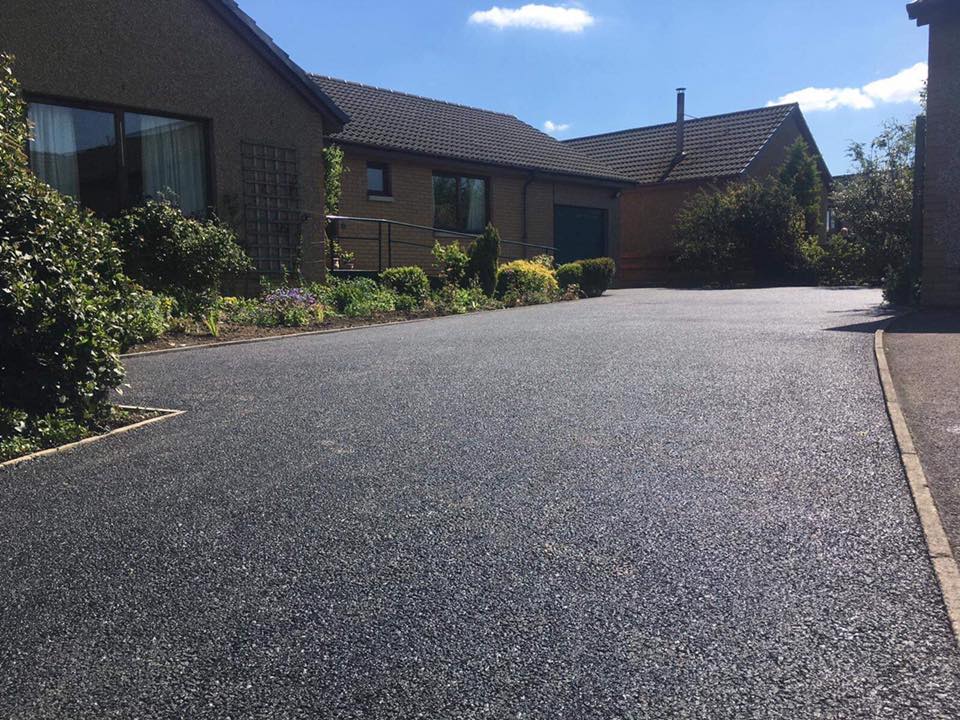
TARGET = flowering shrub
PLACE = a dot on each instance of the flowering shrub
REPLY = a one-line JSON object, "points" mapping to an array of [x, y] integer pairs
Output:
{"points": [[293, 307]]}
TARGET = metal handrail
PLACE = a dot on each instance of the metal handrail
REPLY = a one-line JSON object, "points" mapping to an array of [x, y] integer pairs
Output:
{"points": [[390, 224]]}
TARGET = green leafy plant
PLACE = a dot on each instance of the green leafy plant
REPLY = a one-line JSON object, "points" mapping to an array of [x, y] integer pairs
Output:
{"points": [[211, 321], [875, 207], [182, 257], [523, 282], [355, 297], [452, 262], [596, 275], [410, 281], [333, 170], [800, 174], [143, 315], [60, 281], [569, 274], [836, 260], [749, 232], [455, 300], [483, 255]]}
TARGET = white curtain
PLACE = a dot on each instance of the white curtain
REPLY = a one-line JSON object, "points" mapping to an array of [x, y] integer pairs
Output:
{"points": [[53, 151], [474, 192], [173, 162]]}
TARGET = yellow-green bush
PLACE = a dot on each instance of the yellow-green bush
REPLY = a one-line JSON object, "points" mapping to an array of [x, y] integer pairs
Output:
{"points": [[523, 282]]}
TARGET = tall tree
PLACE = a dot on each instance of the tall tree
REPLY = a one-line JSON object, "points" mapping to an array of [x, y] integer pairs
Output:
{"points": [[800, 174]]}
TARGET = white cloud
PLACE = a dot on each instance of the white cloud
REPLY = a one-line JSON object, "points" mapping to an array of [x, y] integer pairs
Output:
{"points": [[551, 127], [539, 17], [903, 87]]}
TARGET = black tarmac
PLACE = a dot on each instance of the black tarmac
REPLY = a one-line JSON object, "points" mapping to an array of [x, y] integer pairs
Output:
{"points": [[655, 504]]}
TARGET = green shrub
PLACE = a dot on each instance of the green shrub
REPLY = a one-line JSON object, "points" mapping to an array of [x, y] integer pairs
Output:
{"points": [[750, 232], [411, 281], [452, 262], [569, 274], [454, 300], [596, 275], [545, 259], [21, 434], [355, 297], [835, 261], [143, 315], [482, 265], [182, 257], [522, 282], [60, 280]]}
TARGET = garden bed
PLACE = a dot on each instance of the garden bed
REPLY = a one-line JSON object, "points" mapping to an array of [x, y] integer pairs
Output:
{"points": [[121, 418], [235, 333]]}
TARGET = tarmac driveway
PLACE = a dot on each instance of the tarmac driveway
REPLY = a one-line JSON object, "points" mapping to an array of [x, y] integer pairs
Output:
{"points": [[654, 504]]}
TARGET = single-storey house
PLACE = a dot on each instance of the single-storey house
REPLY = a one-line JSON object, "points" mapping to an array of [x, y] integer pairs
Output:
{"points": [[450, 168], [133, 100], [941, 177], [671, 162]]}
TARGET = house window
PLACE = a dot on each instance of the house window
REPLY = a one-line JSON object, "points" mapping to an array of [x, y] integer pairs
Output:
{"points": [[459, 203], [378, 180], [109, 159]]}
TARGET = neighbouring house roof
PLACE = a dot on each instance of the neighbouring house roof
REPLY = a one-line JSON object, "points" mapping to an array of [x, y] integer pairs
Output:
{"points": [[263, 43], [714, 147], [923, 11], [409, 123]]}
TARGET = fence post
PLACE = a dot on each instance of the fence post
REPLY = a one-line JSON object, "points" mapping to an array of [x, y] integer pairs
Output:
{"points": [[380, 246], [389, 244]]}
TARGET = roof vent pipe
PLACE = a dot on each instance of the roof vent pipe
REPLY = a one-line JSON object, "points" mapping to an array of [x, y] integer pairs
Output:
{"points": [[681, 118]]}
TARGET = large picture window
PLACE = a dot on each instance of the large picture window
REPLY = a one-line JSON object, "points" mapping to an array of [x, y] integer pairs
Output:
{"points": [[111, 159], [459, 203]]}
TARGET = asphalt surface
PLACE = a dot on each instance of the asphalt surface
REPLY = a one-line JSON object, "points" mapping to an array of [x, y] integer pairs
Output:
{"points": [[923, 350], [657, 504]]}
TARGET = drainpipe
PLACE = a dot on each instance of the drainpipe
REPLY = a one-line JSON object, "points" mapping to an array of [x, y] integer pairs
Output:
{"points": [[523, 213]]}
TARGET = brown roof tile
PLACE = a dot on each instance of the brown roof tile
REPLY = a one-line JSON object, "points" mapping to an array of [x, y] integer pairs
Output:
{"points": [[410, 123], [714, 147]]}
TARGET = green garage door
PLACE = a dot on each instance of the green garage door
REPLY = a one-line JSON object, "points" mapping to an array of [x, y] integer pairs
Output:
{"points": [[579, 232]]}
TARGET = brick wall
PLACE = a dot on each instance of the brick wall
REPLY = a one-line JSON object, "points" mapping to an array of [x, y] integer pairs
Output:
{"points": [[178, 57], [941, 234], [412, 202]]}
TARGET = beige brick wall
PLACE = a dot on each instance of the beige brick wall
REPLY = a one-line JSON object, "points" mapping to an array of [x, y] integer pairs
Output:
{"points": [[172, 56], [941, 234], [412, 202]]}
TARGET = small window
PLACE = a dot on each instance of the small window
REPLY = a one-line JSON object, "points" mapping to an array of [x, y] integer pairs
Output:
{"points": [[459, 203], [378, 179]]}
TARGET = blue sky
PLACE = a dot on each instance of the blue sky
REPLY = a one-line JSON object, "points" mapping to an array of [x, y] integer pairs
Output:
{"points": [[601, 65]]}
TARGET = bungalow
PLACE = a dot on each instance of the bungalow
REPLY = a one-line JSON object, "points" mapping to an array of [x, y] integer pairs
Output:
{"points": [[670, 163], [131, 100], [941, 175], [450, 169]]}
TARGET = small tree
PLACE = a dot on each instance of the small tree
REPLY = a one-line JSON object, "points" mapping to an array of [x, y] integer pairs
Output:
{"points": [[483, 253], [876, 206], [800, 174]]}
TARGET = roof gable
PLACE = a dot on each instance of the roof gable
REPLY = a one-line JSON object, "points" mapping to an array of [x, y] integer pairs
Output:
{"points": [[410, 123], [264, 44], [923, 11], [714, 147]]}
